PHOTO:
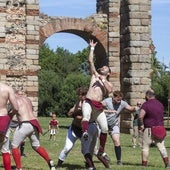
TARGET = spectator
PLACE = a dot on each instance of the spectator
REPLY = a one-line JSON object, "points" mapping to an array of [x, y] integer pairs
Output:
{"points": [[136, 133], [53, 126]]}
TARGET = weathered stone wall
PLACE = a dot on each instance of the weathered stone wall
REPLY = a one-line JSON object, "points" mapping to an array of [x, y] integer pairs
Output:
{"points": [[122, 29], [19, 46], [135, 54]]}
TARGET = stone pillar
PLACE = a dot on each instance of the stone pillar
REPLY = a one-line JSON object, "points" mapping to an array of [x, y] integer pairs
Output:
{"points": [[19, 46], [102, 6], [114, 42], [32, 51], [135, 51], [135, 54]]}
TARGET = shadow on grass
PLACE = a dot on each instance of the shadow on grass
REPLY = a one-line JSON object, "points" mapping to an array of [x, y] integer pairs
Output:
{"points": [[139, 165], [26, 168], [64, 127], [72, 166]]}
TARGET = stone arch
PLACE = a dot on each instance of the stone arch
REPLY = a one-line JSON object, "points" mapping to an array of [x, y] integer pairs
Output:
{"points": [[122, 29], [84, 28]]}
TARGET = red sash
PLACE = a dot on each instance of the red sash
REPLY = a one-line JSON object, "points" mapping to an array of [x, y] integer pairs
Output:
{"points": [[97, 105], [158, 132], [4, 123], [36, 124], [53, 123]]}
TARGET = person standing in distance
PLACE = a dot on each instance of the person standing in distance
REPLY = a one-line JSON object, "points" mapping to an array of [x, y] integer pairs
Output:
{"points": [[136, 133], [7, 96], [53, 126], [92, 107], [150, 117]]}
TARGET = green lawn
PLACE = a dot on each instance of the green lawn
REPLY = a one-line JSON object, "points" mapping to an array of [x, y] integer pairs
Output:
{"points": [[131, 157]]}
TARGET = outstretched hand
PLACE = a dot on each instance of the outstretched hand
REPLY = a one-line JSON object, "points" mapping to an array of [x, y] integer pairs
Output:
{"points": [[92, 43]]}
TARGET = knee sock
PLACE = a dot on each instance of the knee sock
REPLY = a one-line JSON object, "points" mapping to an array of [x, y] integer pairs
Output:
{"points": [[17, 157], [60, 162], [89, 160], [144, 163], [22, 147], [166, 161], [43, 153], [85, 125], [103, 138], [118, 152], [6, 161]]}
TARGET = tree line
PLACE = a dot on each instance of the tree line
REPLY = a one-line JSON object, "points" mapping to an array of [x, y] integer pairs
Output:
{"points": [[62, 72]]}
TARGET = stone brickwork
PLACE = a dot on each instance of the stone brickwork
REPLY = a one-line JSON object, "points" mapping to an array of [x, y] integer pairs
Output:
{"points": [[19, 46], [122, 29]]}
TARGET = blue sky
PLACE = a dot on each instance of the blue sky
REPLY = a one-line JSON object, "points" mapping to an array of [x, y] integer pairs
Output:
{"points": [[84, 8]]}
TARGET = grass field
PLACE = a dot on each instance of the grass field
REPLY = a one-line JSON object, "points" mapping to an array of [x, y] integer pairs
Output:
{"points": [[131, 157]]}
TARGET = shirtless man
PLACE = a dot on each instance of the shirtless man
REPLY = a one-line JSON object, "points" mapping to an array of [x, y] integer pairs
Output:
{"points": [[7, 95], [75, 130], [28, 127], [92, 106]]}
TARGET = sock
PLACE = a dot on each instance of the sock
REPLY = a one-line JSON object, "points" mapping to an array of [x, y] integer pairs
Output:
{"points": [[17, 157], [43, 153], [60, 162], [144, 163], [85, 125], [22, 148], [89, 160], [118, 153], [6, 161], [166, 160], [103, 137]]}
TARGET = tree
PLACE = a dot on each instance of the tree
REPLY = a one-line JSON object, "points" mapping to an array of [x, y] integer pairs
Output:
{"points": [[59, 77], [159, 79]]}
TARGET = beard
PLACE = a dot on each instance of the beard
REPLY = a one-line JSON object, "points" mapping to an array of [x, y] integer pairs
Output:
{"points": [[99, 70]]}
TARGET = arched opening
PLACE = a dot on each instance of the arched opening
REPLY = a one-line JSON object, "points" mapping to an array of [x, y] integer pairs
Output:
{"points": [[70, 8]]}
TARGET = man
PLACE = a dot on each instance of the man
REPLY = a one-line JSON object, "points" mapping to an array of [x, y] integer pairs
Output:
{"points": [[7, 95], [28, 127], [75, 130], [136, 133], [114, 106], [99, 87], [151, 116]]}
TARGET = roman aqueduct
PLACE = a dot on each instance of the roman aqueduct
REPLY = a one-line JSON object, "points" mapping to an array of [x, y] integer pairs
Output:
{"points": [[122, 29]]}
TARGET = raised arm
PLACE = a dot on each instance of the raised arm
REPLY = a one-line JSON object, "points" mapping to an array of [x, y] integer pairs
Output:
{"points": [[91, 57], [12, 100]]}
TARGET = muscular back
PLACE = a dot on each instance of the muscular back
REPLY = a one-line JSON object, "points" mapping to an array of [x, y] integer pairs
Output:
{"points": [[25, 112], [7, 95]]}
